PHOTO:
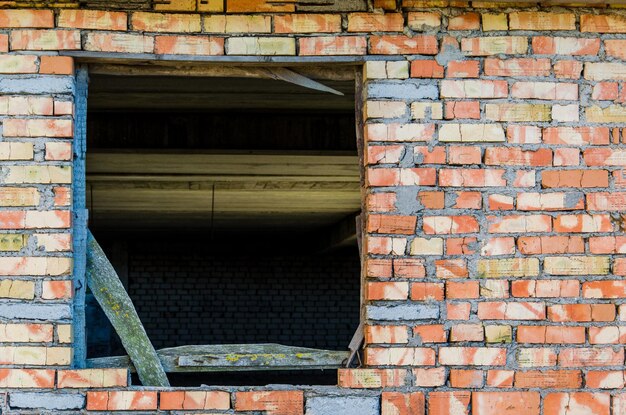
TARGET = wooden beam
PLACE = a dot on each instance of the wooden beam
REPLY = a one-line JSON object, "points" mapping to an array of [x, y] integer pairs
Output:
{"points": [[118, 307], [290, 76], [332, 73], [235, 357]]}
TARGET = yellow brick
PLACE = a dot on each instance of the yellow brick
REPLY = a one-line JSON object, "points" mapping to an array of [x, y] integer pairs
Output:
{"points": [[397, 69], [54, 242], [498, 334], [494, 22], [612, 113], [38, 174], [471, 133], [581, 265], [424, 246], [603, 71], [12, 242], [18, 266], [518, 112], [59, 356], [384, 109], [177, 5], [24, 290], [26, 333], [210, 6], [422, 110], [260, 46], [37, 356], [19, 196], [64, 333], [237, 24], [16, 151], [510, 267]]}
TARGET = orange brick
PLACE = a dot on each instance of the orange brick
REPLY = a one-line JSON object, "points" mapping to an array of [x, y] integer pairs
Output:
{"points": [[165, 22], [517, 67], [400, 403], [56, 65], [188, 45], [574, 178], [371, 22], [550, 379], [458, 311], [438, 225], [399, 356], [462, 69], [121, 401], [462, 290], [333, 45], [92, 19], [466, 378], [581, 312], [505, 403], [426, 69], [27, 18], [562, 403], [274, 402], [400, 44], [430, 333], [26, 378], [4, 43], [447, 403], [371, 378], [545, 288], [550, 245], [542, 21], [173, 400], [499, 310], [45, 40], [408, 268], [569, 69], [472, 356], [462, 110], [591, 357], [466, 21], [386, 334], [307, 23], [500, 378], [602, 23]]}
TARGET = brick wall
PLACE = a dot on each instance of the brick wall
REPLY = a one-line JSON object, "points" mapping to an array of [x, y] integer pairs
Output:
{"points": [[495, 191], [191, 295]]}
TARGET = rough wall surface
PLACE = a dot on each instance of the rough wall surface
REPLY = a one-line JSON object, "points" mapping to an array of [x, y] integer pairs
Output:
{"points": [[495, 195]]}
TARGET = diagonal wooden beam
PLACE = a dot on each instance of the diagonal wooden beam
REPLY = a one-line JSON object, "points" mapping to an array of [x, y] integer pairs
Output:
{"points": [[290, 76], [118, 307]]}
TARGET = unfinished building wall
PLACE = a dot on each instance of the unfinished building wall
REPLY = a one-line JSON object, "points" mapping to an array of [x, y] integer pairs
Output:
{"points": [[494, 183]]}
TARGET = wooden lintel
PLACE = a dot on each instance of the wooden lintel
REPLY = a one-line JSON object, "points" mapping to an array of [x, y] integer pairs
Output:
{"points": [[118, 307], [235, 357], [334, 73]]}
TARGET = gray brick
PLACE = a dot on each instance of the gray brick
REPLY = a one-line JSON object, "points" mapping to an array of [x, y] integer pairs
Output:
{"points": [[39, 400], [35, 311], [36, 84], [402, 312], [402, 90], [343, 405]]}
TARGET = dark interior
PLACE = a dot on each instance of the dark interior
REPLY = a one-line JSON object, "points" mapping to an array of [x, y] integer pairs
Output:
{"points": [[229, 222]]}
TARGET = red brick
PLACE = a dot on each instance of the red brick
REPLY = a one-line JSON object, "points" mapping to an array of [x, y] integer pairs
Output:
{"points": [[430, 333], [471, 177], [472, 356], [188, 45], [462, 290], [458, 311], [574, 178], [550, 334], [545, 288], [603, 23], [581, 312], [333, 45], [550, 245], [174, 400], [400, 356], [568, 69], [121, 401], [464, 155], [517, 157], [387, 291], [408, 268], [426, 291]]}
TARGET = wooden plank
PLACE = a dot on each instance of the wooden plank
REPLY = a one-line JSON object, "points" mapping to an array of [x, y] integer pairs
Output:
{"points": [[288, 75], [235, 357], [118, 307], [334, 73], [197, 163]]}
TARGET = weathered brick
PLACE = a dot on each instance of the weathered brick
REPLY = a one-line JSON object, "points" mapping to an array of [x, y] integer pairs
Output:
{"points": [[333, 45]]}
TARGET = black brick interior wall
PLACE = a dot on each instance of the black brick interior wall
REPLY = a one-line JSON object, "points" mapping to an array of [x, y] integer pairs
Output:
{"points": [[194, 296]]}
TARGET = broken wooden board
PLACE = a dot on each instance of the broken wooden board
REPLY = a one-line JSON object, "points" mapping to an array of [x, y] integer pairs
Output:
{"points": [[118, 307], [235, 357]]}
